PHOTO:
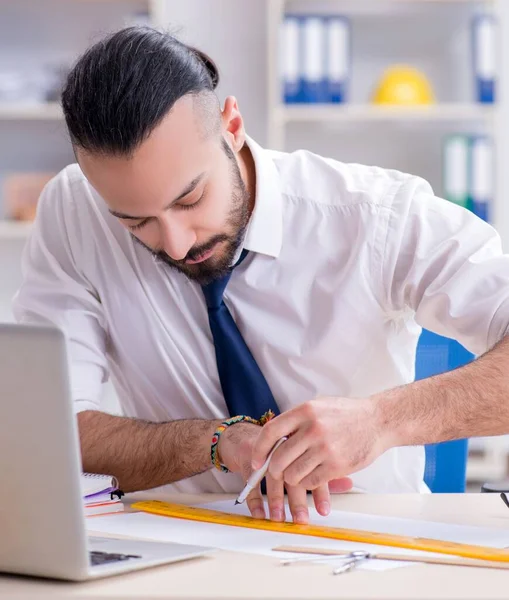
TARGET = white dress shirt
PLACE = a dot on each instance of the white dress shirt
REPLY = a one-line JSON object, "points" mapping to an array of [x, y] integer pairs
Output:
{"points": [[346, 263]]}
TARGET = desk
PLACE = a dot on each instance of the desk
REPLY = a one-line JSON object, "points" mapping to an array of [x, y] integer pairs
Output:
{"points": [[236, 575]]}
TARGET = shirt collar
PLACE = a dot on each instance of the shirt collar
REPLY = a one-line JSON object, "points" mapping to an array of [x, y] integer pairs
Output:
{"points": [[265, 229]]}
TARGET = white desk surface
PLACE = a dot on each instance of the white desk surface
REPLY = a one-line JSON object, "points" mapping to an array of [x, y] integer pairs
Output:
{"points": [[236, 575]]}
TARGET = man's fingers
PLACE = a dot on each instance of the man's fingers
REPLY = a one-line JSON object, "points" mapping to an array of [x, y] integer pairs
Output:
{"points": [[339, 486], [321, 498], [318, 477], [276, 498], [286, 454], [301, 467], [255, 504], [282, 425], [297, 500], [255, 499]]}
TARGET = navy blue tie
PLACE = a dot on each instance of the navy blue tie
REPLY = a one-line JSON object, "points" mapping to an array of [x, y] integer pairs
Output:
{"points": [[245, 389]]}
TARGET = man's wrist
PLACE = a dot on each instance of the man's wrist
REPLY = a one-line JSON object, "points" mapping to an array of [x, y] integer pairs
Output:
{"points": [[390, 420], [236, 441], [207, 436]]}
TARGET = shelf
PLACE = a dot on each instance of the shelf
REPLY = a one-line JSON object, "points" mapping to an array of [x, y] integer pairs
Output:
{"points": [[357, 113], [14, 230], [490, 2], [141, 3], [31, 112], [387, 9]]}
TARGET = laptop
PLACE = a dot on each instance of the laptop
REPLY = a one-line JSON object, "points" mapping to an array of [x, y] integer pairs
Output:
{"points": [[42, 522]]}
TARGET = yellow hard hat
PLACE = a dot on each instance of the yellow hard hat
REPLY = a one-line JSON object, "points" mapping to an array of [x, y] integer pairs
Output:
{"points": [[403, 85]]}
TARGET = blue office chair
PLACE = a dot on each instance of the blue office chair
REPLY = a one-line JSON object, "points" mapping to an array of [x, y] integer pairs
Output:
{"points": [[446, 463]]}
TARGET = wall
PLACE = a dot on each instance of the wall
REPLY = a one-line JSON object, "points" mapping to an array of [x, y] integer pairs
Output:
{"points": [[233, 33]]}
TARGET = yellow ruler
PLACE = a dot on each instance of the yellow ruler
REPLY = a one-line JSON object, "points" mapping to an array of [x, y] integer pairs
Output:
{"points": [[180, 511]]}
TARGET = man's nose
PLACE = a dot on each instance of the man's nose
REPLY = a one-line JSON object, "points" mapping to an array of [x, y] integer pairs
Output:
{"points": [[176, 240]]}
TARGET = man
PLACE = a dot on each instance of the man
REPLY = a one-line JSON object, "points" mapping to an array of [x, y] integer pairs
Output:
{"points": [[212, 279]]}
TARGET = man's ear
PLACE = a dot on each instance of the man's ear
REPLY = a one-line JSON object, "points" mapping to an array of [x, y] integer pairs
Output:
{"points": [[233, 124]]}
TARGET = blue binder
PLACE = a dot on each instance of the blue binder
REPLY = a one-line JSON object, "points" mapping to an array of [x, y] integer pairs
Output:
{"points": [[338, 59], [481, 175], [484, 47], [291, 59], [313, 35]]}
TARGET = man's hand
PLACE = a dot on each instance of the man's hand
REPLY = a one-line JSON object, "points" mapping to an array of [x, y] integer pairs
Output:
{"points": [[329, 438], [236, 452]]}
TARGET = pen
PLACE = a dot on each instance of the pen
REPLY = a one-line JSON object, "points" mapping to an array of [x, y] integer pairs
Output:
{"points": [[257, 475]]}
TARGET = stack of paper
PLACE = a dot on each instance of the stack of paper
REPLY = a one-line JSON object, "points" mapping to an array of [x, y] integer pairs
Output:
{"points": [[98, 498]]}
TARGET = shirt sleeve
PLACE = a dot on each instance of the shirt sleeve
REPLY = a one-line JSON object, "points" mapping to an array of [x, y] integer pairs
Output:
{"points": [[445, 265], [54, 291]]}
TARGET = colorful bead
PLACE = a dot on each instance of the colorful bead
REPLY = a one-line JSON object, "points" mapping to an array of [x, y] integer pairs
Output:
{"points": [[266, 417]]}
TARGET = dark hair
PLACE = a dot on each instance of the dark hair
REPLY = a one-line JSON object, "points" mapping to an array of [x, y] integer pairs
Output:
{"points": [[124, 85]]}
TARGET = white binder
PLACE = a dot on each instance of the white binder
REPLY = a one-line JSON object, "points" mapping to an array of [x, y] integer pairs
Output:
{"points": [[485, 55], [314, 87]]}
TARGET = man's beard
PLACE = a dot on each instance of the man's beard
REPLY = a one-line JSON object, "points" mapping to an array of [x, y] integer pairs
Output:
{"points": [[215, 268]]}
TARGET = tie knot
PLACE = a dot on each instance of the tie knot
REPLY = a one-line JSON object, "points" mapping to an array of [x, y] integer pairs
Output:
{"points": [[214, 290]]}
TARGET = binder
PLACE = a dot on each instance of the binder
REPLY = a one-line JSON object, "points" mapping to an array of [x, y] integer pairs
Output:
{"points": [[482, 175], [290, 59], [314, 85], [456, 181], [485, 56], [338, 59]]}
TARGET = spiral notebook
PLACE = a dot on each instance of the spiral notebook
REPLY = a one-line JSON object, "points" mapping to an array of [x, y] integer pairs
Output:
{"points": [[93, 484], [97, 494]]}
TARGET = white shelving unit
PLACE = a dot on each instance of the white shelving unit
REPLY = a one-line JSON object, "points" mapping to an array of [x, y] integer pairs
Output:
{"points": [[32, 135], [331, 121]]}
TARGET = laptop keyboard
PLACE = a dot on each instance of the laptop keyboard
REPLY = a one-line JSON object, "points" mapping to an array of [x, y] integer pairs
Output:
{"points": [[101, 558]]}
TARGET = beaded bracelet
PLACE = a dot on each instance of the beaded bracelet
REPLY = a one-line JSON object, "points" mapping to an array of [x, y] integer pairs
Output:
{"points": [[214, 454]]}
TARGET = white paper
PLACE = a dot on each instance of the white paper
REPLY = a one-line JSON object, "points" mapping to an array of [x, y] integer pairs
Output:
{"points": [[463, 534], [238, 539]]}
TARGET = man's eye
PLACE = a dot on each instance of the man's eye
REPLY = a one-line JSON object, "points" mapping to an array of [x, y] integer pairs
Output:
{"points": [[137, 226], [191, 204]]}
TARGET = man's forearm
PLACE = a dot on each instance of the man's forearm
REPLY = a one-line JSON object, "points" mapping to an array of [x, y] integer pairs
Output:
{"points": [[141, 454], [467, 402]]}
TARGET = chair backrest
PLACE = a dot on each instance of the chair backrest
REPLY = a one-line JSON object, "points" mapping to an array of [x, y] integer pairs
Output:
{"points": [[446, 463]]}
